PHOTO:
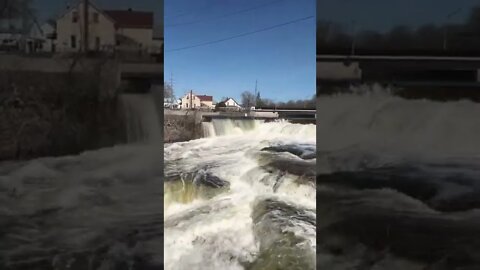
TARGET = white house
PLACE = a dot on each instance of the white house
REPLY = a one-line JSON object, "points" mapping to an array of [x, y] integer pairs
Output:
{"points": [[107, 29], [231, 103], [42, 39], [171, 103]]}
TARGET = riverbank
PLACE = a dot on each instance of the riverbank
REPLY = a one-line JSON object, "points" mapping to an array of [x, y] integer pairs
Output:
{"points": [[55, 114], [181, 126]]}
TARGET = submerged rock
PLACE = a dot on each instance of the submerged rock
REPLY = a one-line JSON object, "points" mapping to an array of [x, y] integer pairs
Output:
{"points": [[190, 186], [433, 190], [284, 233], [384, 222]]}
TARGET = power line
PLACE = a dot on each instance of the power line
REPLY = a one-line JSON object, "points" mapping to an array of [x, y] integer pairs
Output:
{"points": [[181, 14], [241, 35], [227, 15]]}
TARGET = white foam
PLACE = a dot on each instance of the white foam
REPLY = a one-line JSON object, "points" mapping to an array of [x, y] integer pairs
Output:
{"points": [[223, 238]]}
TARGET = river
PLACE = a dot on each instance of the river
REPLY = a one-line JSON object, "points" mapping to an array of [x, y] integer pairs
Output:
{"points": [[100, 209], [241, 198], [398, 184]]}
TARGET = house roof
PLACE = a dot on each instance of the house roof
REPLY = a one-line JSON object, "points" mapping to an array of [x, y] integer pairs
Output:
{"points": [[131, 19], [205, 98], [77, 4], [233, 101]]}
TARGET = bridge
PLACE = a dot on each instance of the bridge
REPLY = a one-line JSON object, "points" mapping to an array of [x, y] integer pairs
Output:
{"points": [[292, 115], [444, 71], [437, 77], [295, 116]]}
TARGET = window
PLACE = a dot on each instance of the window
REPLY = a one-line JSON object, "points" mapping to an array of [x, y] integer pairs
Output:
{"points": [[187, 105], [97, 43], [73, 41], [74, 16], [95, 17]]}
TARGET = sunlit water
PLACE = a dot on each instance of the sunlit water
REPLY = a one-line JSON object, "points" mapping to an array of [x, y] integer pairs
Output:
{"points": [[243, 198], [398, 184]]}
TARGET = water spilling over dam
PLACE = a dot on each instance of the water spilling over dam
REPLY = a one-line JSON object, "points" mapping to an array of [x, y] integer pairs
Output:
{"points": [[241, 198], [398, 184]]}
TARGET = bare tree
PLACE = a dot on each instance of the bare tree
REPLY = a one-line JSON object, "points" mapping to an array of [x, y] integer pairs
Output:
{"points": [[168, 91], [248, 99]]}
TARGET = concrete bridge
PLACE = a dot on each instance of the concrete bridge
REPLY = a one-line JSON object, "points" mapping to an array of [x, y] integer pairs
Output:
{"points": [[296, 116], [436, 71], [293, 115]]}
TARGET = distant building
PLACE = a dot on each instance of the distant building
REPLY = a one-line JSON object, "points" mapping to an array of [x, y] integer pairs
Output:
{"points": [[231, 103], [10, 39], [42, 39], [171, 103], [206, 101], [108, 30], [192, 101], [134, 29]]}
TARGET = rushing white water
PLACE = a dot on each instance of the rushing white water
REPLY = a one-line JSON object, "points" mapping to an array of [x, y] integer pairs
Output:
{"points": [[97, 210], [385, 124], [142, 121], [398, 182], [237, 226]]}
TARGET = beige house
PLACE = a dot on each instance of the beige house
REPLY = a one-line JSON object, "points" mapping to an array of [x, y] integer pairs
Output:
{"points": [[108, 30], [71, 32], [192, 101]]}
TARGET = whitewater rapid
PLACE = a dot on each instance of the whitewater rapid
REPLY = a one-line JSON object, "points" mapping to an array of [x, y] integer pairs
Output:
{"points": [[259, 214], [398, 182], [100, 209]]}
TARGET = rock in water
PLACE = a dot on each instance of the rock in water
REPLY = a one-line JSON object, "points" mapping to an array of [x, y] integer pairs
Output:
{"points": [[302, 151], [207, 179], [283, 233]]}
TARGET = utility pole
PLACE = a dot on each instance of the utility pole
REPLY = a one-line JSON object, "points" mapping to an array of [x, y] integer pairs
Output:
{"points": [[86, 6], [255, 99], [354, 37], [25, 22], [445, 30], [172, 99], [191, 101]]}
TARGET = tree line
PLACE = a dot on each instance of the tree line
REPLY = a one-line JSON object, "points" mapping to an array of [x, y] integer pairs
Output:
{"points": [[249, 100], [465, 36]]}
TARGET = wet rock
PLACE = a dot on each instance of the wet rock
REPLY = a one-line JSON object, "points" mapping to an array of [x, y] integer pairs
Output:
{"points": [[302, 151], [383, 225], [295, 167], [209, 180], [280, 247], [402, 180], [433, 190]]}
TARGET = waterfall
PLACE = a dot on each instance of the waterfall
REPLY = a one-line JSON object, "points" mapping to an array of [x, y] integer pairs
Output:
{"points": [[142, 121]]}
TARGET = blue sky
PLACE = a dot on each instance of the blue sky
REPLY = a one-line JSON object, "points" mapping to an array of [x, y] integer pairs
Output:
{"points": [[382, 15], [282, 59]]}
